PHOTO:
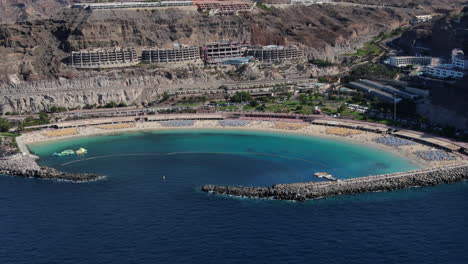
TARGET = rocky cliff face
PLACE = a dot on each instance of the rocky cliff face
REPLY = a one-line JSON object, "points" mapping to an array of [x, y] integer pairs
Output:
{"points": [[34, 50], [33, 75], [450, 32], [441, 35], [137, 86]]}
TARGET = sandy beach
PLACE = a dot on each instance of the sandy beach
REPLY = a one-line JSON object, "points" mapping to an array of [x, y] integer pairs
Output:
{"points": [[359, 137]]}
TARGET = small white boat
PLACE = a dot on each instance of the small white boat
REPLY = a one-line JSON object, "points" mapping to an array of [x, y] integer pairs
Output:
{"points": [[81, 151]]}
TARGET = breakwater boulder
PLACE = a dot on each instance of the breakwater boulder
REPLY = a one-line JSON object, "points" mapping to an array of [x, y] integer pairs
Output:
{"points": [[26, 166], [317, 190]]}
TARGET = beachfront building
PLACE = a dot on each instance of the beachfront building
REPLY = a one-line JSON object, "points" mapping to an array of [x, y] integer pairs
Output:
{"points": [[274, 53], [132, 5], [103, 58], [455, 70], [403, 61], [176, 54]]}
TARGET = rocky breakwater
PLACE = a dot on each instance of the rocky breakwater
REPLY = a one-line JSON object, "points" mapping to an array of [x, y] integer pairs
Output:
{"points": [[26, 166], [317, 190]]}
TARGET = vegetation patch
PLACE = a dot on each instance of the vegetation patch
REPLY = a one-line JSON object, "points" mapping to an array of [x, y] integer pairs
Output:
{"points": [[321, 63], [371, 71]]}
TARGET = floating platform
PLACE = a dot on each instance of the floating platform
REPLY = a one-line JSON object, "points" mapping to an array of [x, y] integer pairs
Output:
{"points": [[325, 175], [69, 152]]}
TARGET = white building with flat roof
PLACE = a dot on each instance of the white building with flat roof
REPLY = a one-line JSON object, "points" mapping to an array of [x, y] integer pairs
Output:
{"points": [[444, 71], [403, 61], [454, 70]]}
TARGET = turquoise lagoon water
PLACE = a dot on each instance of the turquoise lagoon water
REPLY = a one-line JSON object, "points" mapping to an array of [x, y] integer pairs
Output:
{"points": [[134, 215], [261, 158]]}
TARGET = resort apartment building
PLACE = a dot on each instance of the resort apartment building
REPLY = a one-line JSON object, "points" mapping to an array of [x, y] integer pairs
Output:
{"points": [[217, 52], [222, 52], [403, 61], [103, 58], [177, 54], [273, 53], [130, 5], [455, 70]]}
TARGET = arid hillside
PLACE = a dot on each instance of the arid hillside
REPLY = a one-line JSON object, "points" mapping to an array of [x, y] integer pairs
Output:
{"points": [[12, 11], [34, 49]]}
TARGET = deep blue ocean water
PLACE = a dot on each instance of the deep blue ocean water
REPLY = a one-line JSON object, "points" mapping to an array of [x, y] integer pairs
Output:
{"points": [[135, 216]]}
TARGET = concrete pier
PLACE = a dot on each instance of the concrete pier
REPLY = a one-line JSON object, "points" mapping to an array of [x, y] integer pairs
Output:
{"points": [[317, 190]]}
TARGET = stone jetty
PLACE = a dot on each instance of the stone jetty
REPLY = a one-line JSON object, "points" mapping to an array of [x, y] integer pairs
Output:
{"points": [[26, 166], [317, 190]]}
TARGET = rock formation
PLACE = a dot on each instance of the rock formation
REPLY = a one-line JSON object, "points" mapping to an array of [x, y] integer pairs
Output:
{"points": [[26, 166], [317, 190]]}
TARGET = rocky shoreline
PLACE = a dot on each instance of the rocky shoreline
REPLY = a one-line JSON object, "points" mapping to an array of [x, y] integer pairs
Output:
{"points": [[318, 190], [26, 166]]}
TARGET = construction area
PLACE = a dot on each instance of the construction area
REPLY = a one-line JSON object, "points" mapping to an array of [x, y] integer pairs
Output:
{"points": [[217, 52]]}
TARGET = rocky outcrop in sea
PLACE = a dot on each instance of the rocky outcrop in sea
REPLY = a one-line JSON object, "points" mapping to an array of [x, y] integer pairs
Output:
{"points": [[26, 166], [317, 190]]}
